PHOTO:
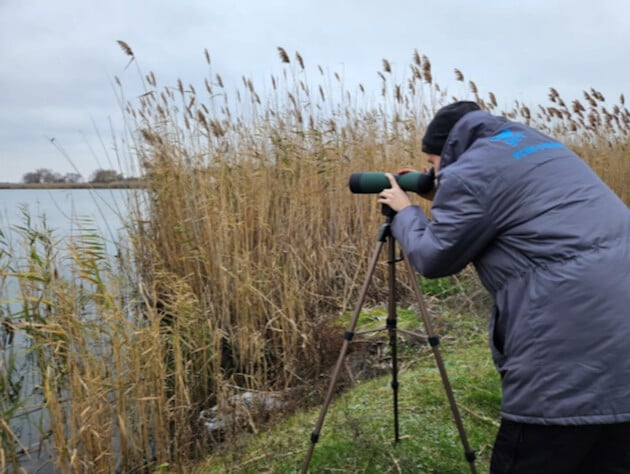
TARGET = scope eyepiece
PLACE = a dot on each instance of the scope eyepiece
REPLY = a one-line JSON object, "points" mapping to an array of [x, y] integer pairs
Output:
{"points": [[372, 182]]}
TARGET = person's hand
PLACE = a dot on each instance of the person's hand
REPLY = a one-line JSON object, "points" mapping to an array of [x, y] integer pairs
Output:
{"points": [[428, 196], [394, 197]]}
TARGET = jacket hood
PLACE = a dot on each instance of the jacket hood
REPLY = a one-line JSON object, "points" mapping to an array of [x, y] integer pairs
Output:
{"points": [[467, 130]]}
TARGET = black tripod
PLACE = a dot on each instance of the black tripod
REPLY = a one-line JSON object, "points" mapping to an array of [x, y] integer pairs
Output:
{"points": [[384, 236]]}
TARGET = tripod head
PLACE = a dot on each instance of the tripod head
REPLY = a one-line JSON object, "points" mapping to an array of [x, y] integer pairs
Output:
{"points": [[388, 212]]}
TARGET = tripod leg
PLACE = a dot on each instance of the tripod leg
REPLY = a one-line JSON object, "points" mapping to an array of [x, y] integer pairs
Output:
{"points": [[392, 330], [434, 342], [344, 348]]}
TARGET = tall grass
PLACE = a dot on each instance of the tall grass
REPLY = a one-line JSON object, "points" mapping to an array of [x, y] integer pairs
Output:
{"points": [[248, 247]]}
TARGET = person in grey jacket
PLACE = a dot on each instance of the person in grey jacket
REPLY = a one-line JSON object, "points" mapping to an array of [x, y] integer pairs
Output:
{"points": [[551, 242]]}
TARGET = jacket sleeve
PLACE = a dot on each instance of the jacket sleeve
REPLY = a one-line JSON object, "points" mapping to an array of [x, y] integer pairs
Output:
{"points": [[459, 230]]}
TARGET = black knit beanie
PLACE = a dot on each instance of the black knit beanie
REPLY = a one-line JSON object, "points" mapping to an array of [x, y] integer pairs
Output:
{"points": [[442, 124]]}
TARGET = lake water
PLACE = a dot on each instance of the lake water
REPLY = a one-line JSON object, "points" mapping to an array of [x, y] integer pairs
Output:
{"points": [[64, 211], [62, 208]]}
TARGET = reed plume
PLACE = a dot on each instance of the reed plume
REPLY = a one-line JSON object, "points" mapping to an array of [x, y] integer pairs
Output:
{"points": [[284, 57]]}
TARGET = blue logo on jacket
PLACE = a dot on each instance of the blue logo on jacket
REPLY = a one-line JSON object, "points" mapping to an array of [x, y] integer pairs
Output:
{"points": [[508, 137], [528, 150], [513, 139]]}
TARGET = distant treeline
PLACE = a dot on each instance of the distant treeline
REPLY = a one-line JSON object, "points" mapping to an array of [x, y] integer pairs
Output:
{"points": [[124, 184], [47, 176]]}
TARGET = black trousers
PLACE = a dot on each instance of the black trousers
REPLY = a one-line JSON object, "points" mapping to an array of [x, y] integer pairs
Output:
{"points": [[549, 449]]}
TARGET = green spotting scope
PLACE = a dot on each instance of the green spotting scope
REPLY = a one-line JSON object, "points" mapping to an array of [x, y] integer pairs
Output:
{"points": [[373, 182]]}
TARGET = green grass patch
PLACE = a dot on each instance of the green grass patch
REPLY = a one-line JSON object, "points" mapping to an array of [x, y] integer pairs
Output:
{"points": [[440, 287]]}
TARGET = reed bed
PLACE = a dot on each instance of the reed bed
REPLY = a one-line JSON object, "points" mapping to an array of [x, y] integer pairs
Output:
{"points": [[244, 250]]}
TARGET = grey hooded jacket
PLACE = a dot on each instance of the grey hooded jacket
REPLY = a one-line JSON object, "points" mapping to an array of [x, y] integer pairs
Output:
{"points": [[551, 242]]}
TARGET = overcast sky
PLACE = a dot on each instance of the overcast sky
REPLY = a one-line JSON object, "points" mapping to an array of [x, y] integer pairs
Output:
{"points": [[58, 58]]}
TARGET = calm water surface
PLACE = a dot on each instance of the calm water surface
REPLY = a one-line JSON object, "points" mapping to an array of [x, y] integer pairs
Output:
{"points": [[63, 208]]}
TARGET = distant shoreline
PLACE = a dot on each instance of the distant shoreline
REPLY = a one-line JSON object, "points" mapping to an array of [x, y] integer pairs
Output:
{"points": [[132, 184]]}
